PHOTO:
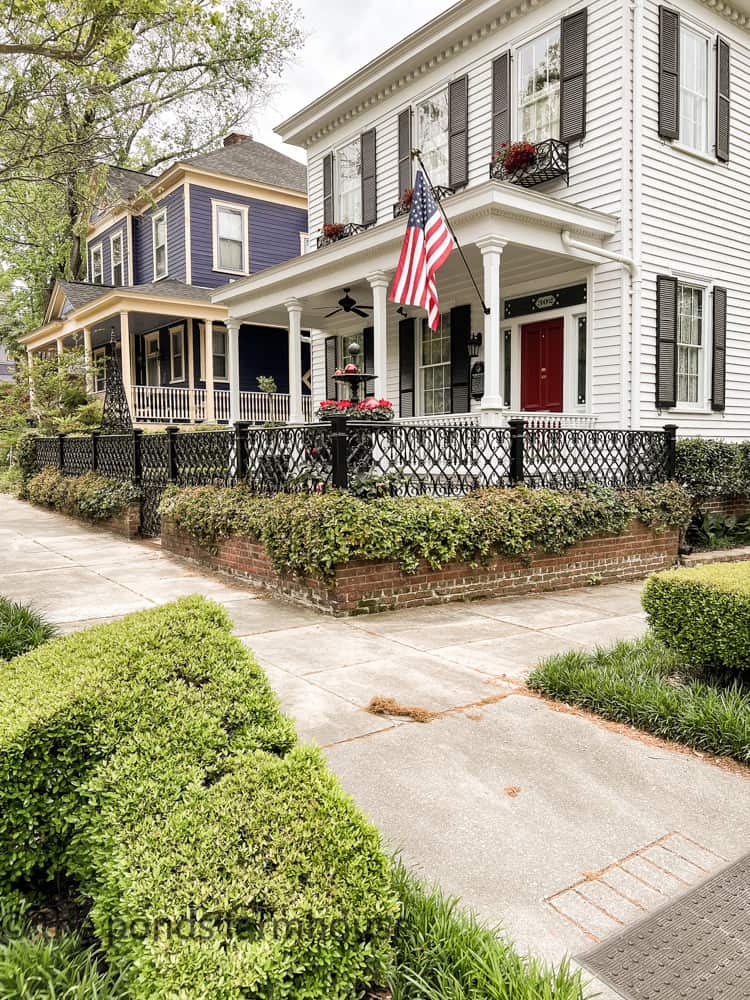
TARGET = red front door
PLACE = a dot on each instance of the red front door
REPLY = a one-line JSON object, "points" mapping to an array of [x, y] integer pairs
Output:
{"points": [[542, 366]]}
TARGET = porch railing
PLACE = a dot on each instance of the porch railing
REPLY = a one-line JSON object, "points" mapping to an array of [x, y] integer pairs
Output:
{"points": [[541, 421], [171, 404]]}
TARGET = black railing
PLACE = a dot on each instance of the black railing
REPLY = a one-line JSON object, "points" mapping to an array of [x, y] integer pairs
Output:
{"points": [[440, 192], [550, 161], [340, 231], [370, 459]]}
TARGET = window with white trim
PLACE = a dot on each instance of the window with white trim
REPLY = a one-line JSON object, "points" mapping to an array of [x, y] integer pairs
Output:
{"points": [[97, 265], [153, 360], [117, 259], [177, 353], [694, 87], [435, 367], [230, 243], [538, 87], [219, 353], [159, 228], [432, 136], [349, 181], [690, 344]]}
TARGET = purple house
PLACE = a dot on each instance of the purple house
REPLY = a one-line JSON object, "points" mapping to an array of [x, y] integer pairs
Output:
{"points": [[156, 249]]}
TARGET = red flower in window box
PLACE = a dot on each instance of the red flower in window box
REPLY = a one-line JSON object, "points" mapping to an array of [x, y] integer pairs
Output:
{"points": [[515, 155], [333, 230]]}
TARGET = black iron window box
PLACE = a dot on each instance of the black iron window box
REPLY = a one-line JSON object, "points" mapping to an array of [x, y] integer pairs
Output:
{"points": [[347, 229], [550, 162], [402, 207]]}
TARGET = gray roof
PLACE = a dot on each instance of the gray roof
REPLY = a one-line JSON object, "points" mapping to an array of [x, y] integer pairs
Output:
{"points": [[253, 161], [123, 183], [80, 293]]}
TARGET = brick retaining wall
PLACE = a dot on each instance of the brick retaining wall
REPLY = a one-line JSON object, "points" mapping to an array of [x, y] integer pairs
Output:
{"points": [[362, 587], [127, 523]]}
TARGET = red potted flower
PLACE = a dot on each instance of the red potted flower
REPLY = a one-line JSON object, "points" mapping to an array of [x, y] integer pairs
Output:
{"points": [[373, 409], [515, 156], [333, 230]]}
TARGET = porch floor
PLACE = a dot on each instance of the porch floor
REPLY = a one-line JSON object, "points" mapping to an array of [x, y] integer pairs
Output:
{"points": [[514, 804]]}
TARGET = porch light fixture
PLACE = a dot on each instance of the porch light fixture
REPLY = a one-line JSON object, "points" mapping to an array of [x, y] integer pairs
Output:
{"points": [[474, 343]]}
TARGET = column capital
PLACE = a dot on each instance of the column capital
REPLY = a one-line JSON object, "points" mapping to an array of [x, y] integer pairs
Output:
{"points": [[378, 279], [293, 305], [232, 324], [491, 244]]}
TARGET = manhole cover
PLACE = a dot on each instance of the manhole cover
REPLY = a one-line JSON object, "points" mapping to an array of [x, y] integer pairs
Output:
{"points": [[696, 946]]}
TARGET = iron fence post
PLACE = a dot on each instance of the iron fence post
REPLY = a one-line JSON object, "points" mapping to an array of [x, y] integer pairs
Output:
{"points": [[137, 457], [172, 470], [517, 431], [670, 440], [240, 438], [61, 451], [95, 450], [339, 452]]}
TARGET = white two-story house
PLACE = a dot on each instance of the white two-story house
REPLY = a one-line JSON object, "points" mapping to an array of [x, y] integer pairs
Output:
{"points": [[615, 264]]}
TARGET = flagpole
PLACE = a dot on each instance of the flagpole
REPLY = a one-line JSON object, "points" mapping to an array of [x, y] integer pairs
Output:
{"points": [[416, 153]]}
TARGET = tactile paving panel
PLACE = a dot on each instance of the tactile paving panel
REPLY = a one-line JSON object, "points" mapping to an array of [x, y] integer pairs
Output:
{"points": [[696, 947]]}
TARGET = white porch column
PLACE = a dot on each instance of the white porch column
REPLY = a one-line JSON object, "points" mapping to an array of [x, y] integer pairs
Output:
{"points": [[126, 359], [88, 359], [191, 371], [208, 370], [379, 285], [233, 349], [294, 309], [60, 346], [491, 248]]}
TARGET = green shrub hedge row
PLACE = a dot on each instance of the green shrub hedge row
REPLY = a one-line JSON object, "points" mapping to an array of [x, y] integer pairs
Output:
{"points": [[149, 760], [90, 496], [707, 467], [703, 613], [312, 535]]}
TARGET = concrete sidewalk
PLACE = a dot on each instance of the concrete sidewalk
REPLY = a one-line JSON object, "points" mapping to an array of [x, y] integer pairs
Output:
{"points": [[557, 826]]}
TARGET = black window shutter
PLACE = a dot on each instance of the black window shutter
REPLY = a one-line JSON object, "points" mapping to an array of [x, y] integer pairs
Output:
{"points": [[406, 373], [460, 362], [458, 132], [369, 179], [722, 100], [666, 341], [404, 152], [330, 350], [573, 44], [368, 355], [328, 212], [719, 350], [500, 101], [669, 73]]}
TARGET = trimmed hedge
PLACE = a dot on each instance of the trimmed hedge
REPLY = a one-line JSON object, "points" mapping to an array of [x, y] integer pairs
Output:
{"points": [[703, 613], [90, 496], [149, 760], [312, 535], [707, 467]]}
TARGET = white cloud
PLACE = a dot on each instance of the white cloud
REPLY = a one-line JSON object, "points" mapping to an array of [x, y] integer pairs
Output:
{"points": [[341, 37]]}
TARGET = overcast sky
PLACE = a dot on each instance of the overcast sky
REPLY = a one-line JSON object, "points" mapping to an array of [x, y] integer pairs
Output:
{"points": [[342, 35]]}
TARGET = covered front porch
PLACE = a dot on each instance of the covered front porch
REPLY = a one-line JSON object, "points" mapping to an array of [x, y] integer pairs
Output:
{"points": [[535, 354]]}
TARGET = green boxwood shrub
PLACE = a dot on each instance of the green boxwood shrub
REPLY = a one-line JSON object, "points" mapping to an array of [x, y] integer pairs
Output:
{"points": [[707, 467], [703, 613], [149, 760], [90, 496], [312, 535], [21, 628]]}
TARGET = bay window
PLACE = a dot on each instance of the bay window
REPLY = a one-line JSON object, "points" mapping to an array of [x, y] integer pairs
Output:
{"points": [[538, 87], [432, 136]]}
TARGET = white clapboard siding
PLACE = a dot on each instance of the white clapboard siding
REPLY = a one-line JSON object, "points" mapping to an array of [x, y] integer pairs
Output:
{"points": [[695, 225]]}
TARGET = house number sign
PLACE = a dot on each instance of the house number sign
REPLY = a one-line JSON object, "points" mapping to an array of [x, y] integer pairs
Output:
{"points": [[556, 298]]}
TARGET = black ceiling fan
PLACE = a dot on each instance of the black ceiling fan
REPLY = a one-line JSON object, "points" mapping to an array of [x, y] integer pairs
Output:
{"points": [[349, 305]]}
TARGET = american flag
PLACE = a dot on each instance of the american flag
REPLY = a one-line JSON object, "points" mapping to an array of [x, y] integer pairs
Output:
{"points": [[427, 245]]}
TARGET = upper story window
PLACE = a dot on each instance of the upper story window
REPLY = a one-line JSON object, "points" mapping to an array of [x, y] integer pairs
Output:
{"points": [[432, 137], [690, 344], [349, 181], [159, 225], [538, 87], [97, 265], [694, 87], [117, 259], [230, 238]]}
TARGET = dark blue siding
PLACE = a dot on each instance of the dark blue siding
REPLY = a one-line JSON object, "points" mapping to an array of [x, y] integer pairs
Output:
{"points": [[143, 246], [104, 239], [273, 233]]}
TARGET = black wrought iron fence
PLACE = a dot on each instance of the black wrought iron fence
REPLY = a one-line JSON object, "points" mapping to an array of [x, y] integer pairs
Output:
{"points": [[370, 459]]}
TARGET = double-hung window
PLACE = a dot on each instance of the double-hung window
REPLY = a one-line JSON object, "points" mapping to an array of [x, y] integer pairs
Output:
{"points": [[435, 367], [159, 228], [432, 137], [694, 88], [97, 265], [230, 244], [349, 181], [117, 259], [177, 353], [690, 345], [538, 87]]}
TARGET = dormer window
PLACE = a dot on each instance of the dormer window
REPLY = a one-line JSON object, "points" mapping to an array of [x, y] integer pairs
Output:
{"points": [[159, 226], [538, 63], [97, 265], [117, 259], [349, 182], [432, 137], [230, 238]]}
